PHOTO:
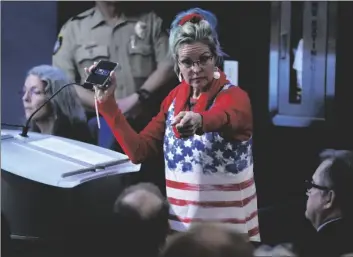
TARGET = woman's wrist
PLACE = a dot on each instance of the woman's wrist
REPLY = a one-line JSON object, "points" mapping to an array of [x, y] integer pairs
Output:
{"points": [[199, 130], [108, 106]]}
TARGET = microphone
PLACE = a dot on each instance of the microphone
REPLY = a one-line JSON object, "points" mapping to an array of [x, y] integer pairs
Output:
{"points": [[26, 127]]}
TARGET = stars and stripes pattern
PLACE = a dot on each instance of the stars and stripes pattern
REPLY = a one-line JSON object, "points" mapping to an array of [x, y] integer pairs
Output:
{"points": [[210, 179]]}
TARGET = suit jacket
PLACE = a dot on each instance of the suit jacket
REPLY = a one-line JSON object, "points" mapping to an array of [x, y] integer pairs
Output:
{"points": [[333, 239]]}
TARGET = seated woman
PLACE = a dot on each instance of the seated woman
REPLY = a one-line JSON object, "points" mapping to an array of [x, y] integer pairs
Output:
{"points": [[64, 116]]}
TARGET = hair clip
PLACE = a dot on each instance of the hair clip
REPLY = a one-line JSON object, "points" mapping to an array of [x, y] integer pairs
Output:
{"points": [[193, 17]]}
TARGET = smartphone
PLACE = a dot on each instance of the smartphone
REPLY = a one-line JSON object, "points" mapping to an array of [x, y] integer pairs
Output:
{"points": [[99, 75]]}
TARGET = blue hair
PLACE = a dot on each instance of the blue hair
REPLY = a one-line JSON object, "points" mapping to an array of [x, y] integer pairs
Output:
{"points": [[207, 15]]}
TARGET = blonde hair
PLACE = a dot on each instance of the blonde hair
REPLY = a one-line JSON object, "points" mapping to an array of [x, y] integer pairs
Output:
{"points": [[203, 31]]}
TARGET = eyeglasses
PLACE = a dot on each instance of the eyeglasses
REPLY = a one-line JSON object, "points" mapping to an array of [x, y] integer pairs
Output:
{"points": [[309, 185], [203, 61]]}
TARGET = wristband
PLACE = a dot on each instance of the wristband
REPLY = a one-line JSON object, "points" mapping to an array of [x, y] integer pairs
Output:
{"points": [[143, 94]]}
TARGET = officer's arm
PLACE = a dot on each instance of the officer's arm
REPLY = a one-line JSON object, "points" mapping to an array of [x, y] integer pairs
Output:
{"points": [[63, 55], [86, 97], [164, 72], [63, 58]]}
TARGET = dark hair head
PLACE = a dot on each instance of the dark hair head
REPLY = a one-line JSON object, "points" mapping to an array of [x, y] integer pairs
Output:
{"points": [[207, 240], [143, 218]]}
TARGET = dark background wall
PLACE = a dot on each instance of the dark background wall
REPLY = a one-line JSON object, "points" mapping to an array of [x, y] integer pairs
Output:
{"points": [[28, 34]]}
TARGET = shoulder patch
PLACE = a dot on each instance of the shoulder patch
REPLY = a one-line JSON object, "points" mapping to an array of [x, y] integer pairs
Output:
{"points": [[58, 44]]}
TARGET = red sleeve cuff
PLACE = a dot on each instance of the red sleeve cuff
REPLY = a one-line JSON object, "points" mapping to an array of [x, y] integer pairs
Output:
{"points": [[109, 108], [213, 121]]}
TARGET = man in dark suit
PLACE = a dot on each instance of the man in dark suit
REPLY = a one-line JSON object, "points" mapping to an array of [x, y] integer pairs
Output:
{"points": [[329, 207]]}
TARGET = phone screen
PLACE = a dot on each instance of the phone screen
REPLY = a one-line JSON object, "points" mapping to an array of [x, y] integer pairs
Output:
{"points": [[100, 73]]}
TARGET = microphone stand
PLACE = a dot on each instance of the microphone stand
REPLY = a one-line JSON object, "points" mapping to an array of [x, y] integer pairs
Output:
{"points": [[26, 127]]}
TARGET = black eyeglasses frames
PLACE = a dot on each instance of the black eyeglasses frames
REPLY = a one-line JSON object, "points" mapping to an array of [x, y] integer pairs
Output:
{"points": [[309, 185]]}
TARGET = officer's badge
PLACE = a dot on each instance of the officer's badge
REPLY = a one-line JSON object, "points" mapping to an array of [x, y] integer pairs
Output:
{"points": [[140, 29], [58, 44]]}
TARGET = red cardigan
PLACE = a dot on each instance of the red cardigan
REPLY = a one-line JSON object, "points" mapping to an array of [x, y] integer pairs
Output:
{"points": [[231, 115]]}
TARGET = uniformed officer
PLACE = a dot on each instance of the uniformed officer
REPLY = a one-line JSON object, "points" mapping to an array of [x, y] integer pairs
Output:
{"points": [[105, 32], [138, 42]]}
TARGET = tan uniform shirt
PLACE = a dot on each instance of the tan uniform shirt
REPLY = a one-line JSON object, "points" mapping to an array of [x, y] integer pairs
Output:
{"points": [[138, 44]]}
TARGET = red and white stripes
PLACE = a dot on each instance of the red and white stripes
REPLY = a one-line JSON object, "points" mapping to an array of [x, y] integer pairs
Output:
{"points": [[228, 199]]}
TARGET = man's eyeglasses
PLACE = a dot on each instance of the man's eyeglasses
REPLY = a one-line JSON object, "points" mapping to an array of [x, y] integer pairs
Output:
{"points": [[203, 61], [309, 185]]}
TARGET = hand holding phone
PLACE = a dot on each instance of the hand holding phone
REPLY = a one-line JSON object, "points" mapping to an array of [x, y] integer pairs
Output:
{"points": [[101, 78], [105, 87], [99, 75]]}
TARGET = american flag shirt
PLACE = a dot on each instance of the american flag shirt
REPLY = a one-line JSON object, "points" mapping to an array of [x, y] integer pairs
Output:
{"points": [[210, 179]]}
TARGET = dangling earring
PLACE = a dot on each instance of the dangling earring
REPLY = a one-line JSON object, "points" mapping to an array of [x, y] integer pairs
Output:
{"points": [[216, 74], [180, 77]]}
